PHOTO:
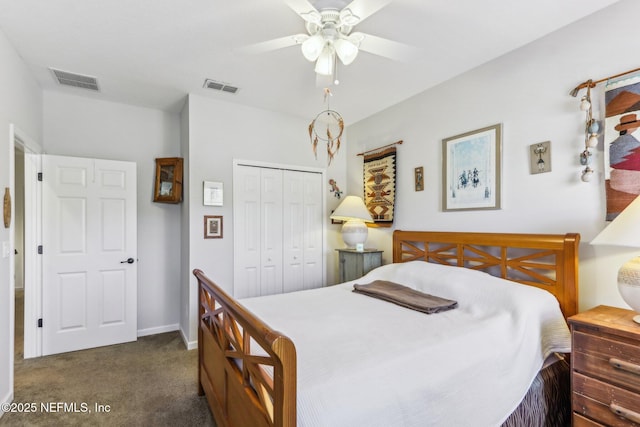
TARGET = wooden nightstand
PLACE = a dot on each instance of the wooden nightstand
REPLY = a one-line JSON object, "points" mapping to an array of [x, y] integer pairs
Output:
{"points": [[605, 367], [355, 264]]}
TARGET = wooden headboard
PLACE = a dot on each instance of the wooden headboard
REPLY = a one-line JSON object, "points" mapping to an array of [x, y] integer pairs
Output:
{"points": [[547, 261]]}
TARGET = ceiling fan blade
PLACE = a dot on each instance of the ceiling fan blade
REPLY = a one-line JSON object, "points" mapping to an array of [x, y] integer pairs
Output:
{"points": [[269, 45], [365, 8], [389, 48], [305, 9]]}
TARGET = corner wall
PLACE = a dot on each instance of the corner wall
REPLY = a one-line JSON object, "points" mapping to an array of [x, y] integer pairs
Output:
{"points": [[83, 127], [21, 105], [218, 133], [527, 91]]}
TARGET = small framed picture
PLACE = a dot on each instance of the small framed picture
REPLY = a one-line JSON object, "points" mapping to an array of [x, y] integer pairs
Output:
{"points": [[212, 193], [212, 227], [419, 178], [540, 157]]}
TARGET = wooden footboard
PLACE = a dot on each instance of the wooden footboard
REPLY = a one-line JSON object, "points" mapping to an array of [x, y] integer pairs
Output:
{"points": [[246, 369]]}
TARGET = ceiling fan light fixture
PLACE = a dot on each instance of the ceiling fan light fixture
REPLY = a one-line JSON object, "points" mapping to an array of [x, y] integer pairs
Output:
{"points": [[346, 50], [348, 18], [312, 47], [326, 61]]}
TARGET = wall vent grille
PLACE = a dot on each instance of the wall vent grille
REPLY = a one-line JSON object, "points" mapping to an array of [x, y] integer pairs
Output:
{"points": [[224, 87], [66, 78]]}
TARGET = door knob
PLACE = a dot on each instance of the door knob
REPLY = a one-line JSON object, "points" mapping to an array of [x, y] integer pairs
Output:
{"points": [[128, 261]]}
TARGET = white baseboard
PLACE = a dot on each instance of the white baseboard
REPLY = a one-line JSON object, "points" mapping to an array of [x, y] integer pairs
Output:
{"points": [[6, 399], [158, 330], [191, 345]]}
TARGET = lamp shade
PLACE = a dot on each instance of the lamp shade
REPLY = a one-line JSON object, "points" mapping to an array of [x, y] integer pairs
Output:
{"points": [[352, 207], [326, 61], [353, 211], [312, 47], [346, 51], [624, 230]]}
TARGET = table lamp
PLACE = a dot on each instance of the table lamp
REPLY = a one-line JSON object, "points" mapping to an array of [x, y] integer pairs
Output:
{"points": [[624, 230], [354, 214]]}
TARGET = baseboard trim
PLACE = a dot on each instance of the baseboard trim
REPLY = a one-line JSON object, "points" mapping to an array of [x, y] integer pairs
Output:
{"points": [[158, 330], [7, 399], [191, 345]]}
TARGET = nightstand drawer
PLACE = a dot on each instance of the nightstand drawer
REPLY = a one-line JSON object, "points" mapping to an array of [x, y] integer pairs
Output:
{"points": [[614, 361], [597, 400]]}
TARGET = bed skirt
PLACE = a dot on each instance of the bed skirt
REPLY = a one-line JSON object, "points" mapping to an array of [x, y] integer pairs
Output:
{"points": [[548, 401]]}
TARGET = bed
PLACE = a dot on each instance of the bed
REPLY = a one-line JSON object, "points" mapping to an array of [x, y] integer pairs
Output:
{"points": [[346, 359]]}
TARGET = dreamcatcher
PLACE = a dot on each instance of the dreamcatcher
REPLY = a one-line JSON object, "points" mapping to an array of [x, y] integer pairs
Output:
{"points": [[328, 127]]}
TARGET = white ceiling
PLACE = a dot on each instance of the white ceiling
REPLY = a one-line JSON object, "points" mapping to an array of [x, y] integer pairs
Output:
{"points": [[153, 52]]}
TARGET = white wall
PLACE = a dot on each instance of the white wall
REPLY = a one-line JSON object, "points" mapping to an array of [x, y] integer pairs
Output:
{"points": [[21, 105], [528, 92], [220, 132], [83, 127]]}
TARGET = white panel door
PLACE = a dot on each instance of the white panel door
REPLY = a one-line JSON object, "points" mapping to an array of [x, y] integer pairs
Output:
{"points": [[313, 231], [293, 230], [271, 231], [246, 231], [89, 237]]}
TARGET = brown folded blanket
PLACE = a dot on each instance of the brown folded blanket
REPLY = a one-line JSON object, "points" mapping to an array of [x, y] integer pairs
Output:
{"points": [[404, 296]]}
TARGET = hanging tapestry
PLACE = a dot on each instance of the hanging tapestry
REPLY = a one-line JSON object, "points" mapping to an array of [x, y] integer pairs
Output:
{"points": [[622, 145], [380, 184]]}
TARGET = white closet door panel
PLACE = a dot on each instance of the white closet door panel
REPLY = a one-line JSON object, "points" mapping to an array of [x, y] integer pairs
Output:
{"points": [[313, 231], [271, 228], [293, 231], [246, 220]]}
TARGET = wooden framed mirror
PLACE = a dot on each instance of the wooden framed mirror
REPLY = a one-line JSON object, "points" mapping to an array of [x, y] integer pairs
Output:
{"points": [[168, 186]]}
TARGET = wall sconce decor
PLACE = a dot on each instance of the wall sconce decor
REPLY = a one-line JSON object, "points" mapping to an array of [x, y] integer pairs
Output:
{"points": [[540, 157]]}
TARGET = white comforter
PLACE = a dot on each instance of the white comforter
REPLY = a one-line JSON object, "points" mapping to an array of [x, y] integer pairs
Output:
{"points": [[366, 362]]}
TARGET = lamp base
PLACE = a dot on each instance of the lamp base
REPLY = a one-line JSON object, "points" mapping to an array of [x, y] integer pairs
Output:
{"points": [[629, 285], [354, 231]]}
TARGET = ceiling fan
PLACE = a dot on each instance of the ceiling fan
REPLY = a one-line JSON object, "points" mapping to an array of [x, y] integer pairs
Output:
{"points": [[330, 37]]}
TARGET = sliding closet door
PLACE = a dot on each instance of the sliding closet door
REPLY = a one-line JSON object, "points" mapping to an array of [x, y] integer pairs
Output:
{"points": [[302, 232], [257, 208], [278, 230]]}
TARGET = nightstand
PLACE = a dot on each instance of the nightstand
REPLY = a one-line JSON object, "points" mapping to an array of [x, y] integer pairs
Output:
{"points": [[355, 264], [605, 367]]}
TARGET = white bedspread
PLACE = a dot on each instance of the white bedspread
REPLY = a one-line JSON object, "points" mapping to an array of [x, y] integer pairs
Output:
{"points": [[366, 362]]}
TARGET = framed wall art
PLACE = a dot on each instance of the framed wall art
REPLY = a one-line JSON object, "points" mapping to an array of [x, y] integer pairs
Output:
{"points": [[212, 194], [212, 227], [471, 164], [540, 157], [418, 175]]}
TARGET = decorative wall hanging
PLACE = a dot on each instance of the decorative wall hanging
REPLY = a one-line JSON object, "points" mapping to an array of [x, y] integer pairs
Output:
{"points": [[418, 177], [212, 227], [168, 182], [540, 157], [471, 170], [327, 127], [591, 128], [6, 207], [621, 146], [380, 184], [334, 188]]}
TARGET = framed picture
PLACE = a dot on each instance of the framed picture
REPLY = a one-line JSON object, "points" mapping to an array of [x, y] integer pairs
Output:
{"points": [[418, 174], [212, 227], [540, 157], [212, 193], [471, 170]]}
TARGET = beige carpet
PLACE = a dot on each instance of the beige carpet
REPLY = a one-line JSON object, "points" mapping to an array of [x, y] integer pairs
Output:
{"points": [[150, 382]]}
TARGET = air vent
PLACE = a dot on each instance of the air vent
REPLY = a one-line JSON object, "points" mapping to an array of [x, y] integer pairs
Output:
{"points": [[66, 78], [212, 84]]}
